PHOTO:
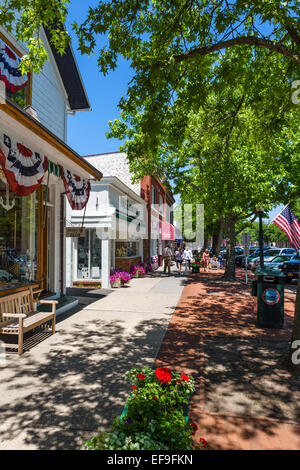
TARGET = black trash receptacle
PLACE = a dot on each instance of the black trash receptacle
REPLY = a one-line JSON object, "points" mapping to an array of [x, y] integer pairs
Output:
{"points": [[254, 288], [270, 297]]}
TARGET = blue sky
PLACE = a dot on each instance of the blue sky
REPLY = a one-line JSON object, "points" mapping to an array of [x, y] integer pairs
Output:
{"points": [[86, 131]]}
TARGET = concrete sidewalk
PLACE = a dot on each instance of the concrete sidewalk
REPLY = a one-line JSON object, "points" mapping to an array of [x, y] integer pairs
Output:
{"points": [[67, 387]]}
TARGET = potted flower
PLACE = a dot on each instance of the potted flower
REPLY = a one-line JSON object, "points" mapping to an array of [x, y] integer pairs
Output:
{"points": [[196, 266], [124, 277], [155, 416], [148, 267], [115, 281], [137, 271]]}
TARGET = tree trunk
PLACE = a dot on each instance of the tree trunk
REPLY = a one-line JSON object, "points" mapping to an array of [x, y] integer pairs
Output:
{"points": [[296, 329], [205, 241], [217, 237], [230, 253]]}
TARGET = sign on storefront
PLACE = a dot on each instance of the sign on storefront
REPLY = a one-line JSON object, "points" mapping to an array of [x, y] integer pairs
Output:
{"points": [[75, 232]]}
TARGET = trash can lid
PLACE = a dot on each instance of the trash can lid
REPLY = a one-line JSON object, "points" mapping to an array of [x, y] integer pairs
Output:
{"points": [[268, 271]]}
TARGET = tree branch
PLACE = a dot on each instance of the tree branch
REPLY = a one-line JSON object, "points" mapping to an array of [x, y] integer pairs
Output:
{"points": [[240, 41]]}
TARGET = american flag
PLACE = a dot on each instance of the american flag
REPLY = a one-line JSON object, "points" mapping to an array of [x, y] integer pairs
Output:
{"points": [[289, 224]]}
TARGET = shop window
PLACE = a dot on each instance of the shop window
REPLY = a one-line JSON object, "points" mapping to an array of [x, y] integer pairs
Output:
{"points": [[153, 195], [18, 237], [89, 256], [18, 86], [161, 204], [126, 249], [83, 257]]}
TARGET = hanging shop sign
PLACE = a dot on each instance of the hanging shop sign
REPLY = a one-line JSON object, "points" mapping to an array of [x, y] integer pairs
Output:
{"points": [[75, 232], [77, 189], [23, 168], [9, 69]]}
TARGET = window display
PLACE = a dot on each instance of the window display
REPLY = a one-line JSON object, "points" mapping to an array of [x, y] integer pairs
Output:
{"points": [[89, 256], [126, 249], [18, 237]]}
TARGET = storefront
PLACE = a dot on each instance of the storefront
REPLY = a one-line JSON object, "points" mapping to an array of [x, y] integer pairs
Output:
{"points": [[39, 175], [108, 242]]}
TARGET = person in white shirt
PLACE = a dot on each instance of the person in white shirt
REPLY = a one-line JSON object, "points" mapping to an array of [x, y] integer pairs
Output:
{"points": [[187, 256]]}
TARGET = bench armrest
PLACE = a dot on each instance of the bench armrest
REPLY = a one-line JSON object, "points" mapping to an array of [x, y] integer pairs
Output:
{"points": [[51, 302], [14, 315], [37, 292]]}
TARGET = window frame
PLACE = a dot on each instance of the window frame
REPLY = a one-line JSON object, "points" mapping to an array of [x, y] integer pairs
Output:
{"points": [[19, 54]]}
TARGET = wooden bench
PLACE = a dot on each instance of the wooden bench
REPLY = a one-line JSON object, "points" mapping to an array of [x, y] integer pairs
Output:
{"points": [[18, 315]]}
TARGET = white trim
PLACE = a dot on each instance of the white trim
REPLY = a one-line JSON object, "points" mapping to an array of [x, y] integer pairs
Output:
{"points": [[14, 42]]}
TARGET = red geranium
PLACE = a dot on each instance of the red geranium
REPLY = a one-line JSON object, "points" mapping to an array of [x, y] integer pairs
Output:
{"points": [[140, 376], [134, 386], [154, 398], [194, 427], [202, 442], [164, 374], [184, 377]]}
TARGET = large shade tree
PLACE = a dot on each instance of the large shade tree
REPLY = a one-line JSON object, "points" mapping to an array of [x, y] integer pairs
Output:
{"points": [[176, 50]]}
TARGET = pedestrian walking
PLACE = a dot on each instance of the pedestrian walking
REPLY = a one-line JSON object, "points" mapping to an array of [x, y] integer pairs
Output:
{"points": [[206, 259], [167, 256], [187, 257], [221, 261], [178, 259]]}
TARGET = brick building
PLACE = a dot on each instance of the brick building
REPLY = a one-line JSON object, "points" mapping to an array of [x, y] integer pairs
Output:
{"points": [[159, 201]]}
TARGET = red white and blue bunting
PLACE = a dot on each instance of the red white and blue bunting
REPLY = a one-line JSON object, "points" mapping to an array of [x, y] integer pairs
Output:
{"points": [[77, 189], [9, 70], [24, 169]]}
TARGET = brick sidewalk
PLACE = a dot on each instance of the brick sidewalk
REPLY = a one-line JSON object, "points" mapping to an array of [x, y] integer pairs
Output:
{"points": [[245, 397]]}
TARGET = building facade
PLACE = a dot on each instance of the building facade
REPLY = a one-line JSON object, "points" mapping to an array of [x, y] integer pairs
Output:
{"points": [[157, 198], [113, 226], [160, 203], [39, 173]]}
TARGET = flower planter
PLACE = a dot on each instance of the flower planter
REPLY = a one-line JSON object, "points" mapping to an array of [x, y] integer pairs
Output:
{"points": [[195, 269], [116, 284], [138, 275], [159, 400]]}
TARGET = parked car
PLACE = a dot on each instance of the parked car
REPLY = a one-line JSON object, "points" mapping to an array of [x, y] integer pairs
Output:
{"points": [[238, 252], [291, 268], [269, 255], [278, 261], [241, 260]]}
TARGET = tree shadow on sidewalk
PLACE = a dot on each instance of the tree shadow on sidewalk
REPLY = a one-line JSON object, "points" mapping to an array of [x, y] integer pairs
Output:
{"points": [[77, 386]]}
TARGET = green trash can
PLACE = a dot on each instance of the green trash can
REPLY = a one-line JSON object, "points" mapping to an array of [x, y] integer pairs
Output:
{"points": [[270, 297]]}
